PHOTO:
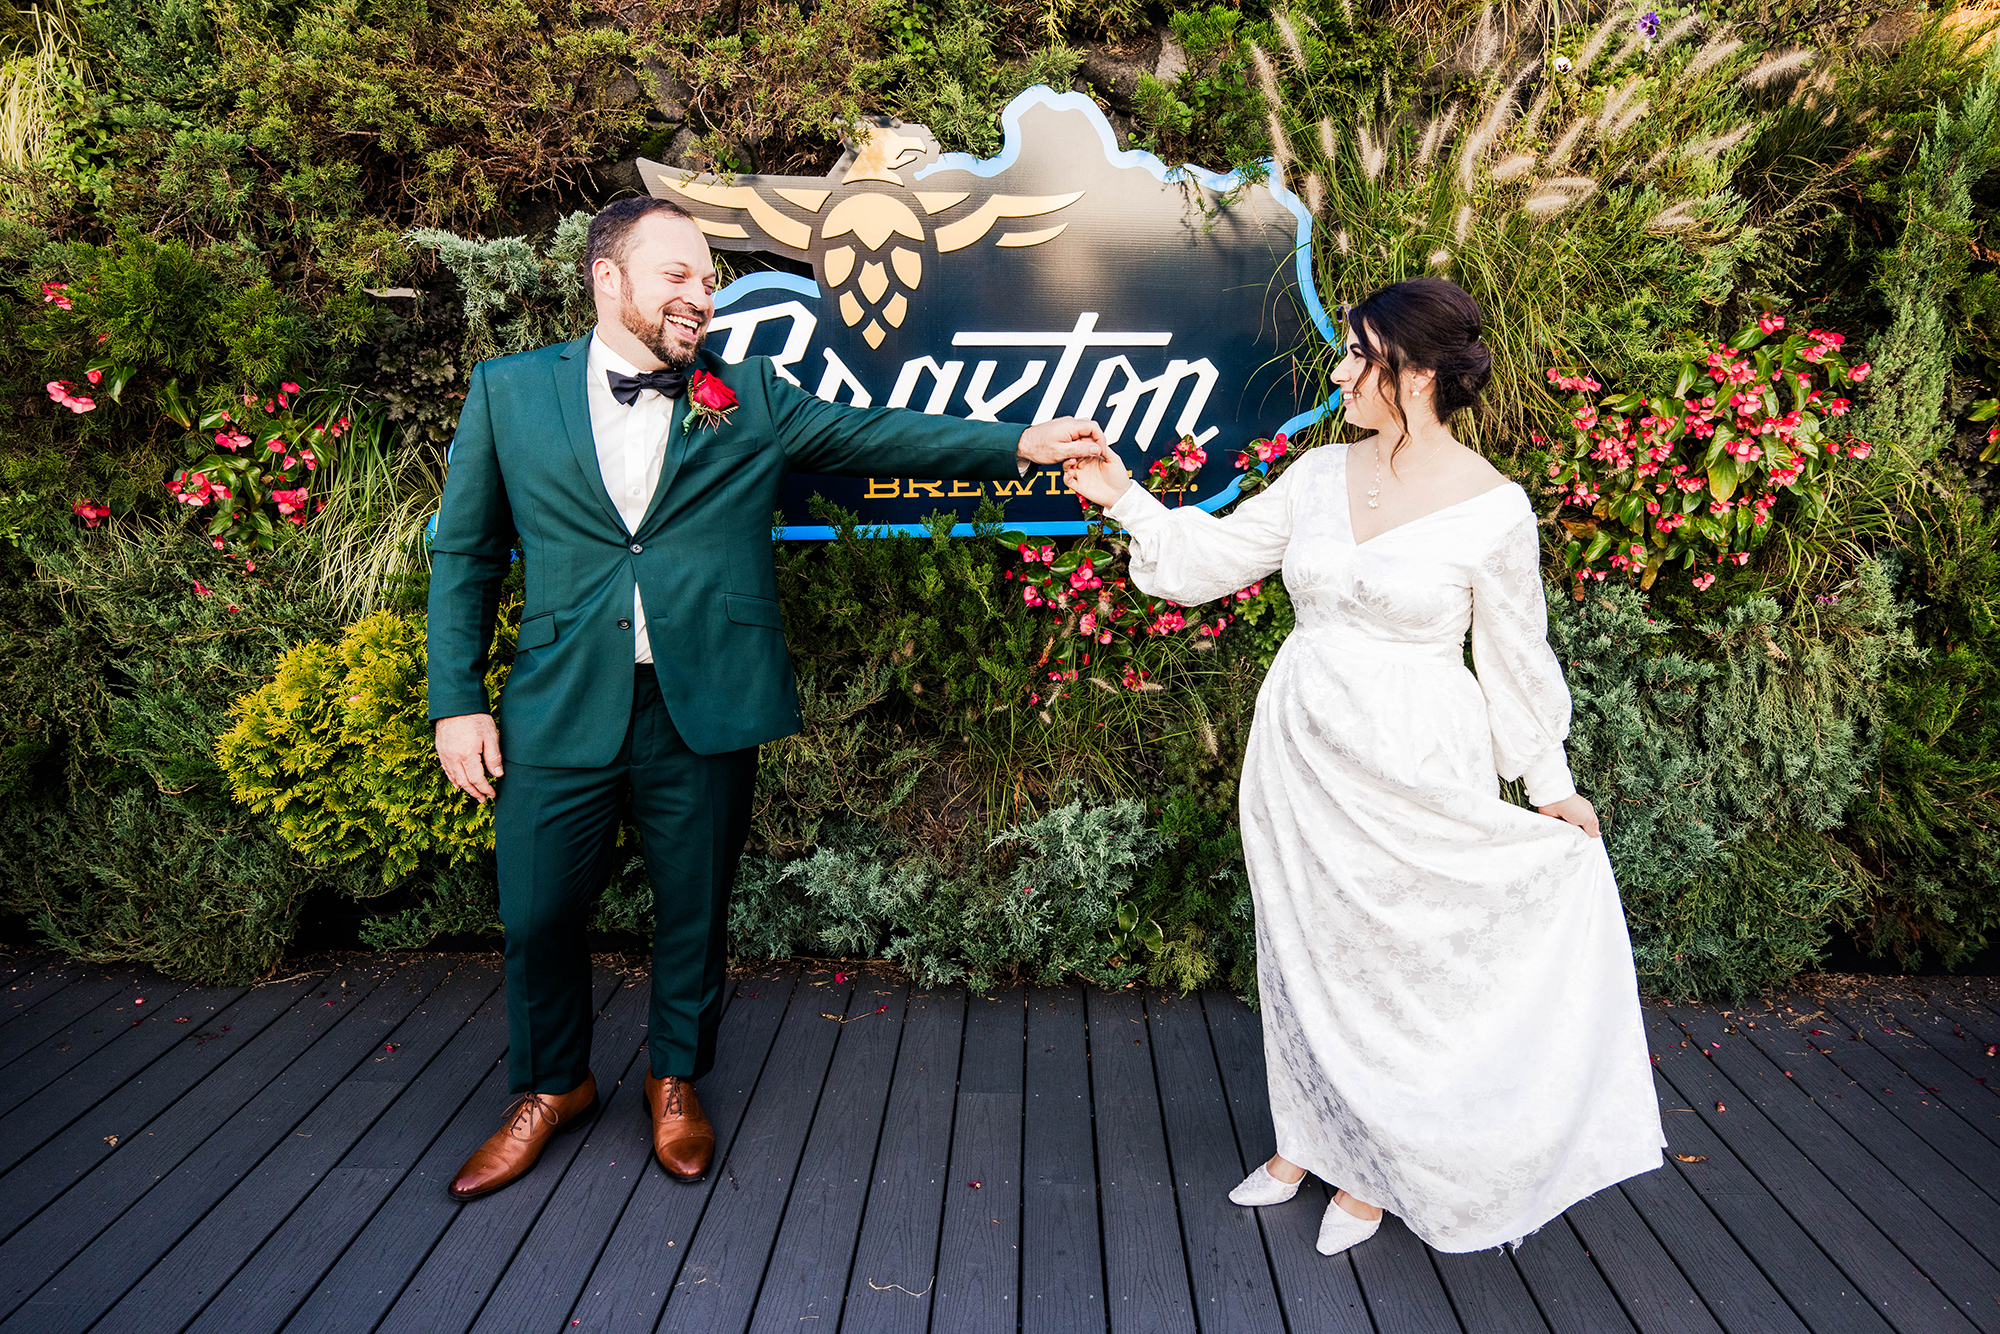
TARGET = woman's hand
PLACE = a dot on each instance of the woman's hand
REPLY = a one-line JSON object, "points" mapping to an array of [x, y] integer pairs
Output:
{"points": [[1101, 480], [1574, 810]]}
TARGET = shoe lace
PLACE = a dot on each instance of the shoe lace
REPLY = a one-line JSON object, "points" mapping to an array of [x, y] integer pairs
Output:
{"points": [[522, 1111], [672, 1104]]}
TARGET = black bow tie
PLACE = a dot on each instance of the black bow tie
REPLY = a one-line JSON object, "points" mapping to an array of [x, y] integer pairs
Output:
{"points": [[666, 383]]}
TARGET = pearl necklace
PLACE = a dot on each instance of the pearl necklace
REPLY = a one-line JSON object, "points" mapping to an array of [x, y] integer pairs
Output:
{"points": [[1375, 491]]}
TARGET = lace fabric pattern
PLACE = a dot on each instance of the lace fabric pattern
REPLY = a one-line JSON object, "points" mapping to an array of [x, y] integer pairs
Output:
{"points": [[1451, 1018]]}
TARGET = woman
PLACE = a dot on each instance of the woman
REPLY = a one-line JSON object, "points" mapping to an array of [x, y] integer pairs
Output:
{"points": [[1451, 1020]]}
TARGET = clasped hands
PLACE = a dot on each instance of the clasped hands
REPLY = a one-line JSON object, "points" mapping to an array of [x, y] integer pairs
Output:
{"points": [[1090, 466]]}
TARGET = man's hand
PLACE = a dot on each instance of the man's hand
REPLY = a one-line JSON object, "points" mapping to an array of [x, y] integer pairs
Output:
{"points": [[1063, 438], [1574, 809], [468, 747]]}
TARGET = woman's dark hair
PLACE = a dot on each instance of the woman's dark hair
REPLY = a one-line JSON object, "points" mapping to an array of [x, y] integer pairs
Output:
{"points": [[1424, 324]]}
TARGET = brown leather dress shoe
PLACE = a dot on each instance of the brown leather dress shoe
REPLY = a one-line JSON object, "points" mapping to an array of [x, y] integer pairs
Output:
{"points": [[683, 1140], [531, 1123]]}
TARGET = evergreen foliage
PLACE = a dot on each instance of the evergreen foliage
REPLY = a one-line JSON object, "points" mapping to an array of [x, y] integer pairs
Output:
{"points": [[223, 195]]}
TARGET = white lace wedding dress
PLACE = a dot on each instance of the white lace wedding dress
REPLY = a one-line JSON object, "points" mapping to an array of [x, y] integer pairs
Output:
{"points": [[1451, 1019]]}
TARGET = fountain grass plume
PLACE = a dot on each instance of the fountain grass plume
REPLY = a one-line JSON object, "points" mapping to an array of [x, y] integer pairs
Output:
{"points": [[1776, 67], [1595, 46], [1711, 55]]}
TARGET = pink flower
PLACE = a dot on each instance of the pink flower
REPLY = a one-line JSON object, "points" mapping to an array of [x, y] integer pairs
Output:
{"points": [[1859, 450], [94, 376], [1770, 323], [1860, 373], [1702, 581], [201, 588], [231, 440], [291, 504], [91, 512], [53, 292], [59, 391], [1245, 594], [289, 387], [1840, 407]]}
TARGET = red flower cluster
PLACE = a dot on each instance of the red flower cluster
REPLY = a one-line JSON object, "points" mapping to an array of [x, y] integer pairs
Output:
{"points": [[1681, 477], [91, 512], [259, 465]]}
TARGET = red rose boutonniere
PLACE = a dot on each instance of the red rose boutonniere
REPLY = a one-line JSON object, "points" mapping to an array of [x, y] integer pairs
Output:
{"points": [[709, 402]]}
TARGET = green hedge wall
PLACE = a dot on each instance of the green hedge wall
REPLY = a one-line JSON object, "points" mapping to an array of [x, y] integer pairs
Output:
{"points": [[207, 200]]}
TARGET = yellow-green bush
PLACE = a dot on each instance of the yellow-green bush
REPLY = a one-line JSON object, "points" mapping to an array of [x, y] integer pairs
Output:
{"points": [[338, 750]]}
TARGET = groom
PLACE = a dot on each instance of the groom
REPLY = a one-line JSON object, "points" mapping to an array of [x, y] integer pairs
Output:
{"points": [[636, 474]]}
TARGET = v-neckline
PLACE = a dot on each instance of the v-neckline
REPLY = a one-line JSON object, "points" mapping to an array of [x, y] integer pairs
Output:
{"points": [[1347, 506]]}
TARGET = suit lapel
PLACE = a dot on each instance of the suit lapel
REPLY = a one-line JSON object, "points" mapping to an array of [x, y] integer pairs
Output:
{"points": [[573, 397]]}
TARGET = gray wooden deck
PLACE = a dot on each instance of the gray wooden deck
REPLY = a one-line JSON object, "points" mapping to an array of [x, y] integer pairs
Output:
{"points": [[1045, 1159]]}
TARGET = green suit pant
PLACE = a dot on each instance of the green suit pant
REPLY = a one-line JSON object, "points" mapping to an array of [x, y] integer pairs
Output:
{"points": [[555, 830]]}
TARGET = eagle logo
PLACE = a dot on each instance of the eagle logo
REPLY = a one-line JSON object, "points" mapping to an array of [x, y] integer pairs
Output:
{"points": [[865, 233]]}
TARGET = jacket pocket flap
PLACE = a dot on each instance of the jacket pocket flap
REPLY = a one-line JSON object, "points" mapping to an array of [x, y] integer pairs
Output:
{"points": [[746, 610], [537, 631]]}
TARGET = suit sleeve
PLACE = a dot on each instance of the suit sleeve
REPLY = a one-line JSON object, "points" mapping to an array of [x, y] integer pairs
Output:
{"points": [[469, 560], [834, 438]]}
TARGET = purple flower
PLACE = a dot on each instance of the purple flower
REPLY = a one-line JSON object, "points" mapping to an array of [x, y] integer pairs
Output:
{"points": [[1649, 25]]}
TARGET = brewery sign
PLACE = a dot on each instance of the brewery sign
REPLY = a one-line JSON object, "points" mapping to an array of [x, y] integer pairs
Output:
{"points": [[1064, 277]]}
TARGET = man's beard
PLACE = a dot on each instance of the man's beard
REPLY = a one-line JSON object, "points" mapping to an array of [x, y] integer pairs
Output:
{"points": [[654, 333]]}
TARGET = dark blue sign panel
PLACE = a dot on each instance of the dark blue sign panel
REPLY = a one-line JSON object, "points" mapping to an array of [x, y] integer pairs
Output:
{"points": [[1062, 278]]}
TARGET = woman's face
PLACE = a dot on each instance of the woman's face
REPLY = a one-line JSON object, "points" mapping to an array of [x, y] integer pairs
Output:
{"points": [[1366, 397]]}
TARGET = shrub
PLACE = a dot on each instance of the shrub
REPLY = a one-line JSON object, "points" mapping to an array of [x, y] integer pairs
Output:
{"points": [[122, 650]]}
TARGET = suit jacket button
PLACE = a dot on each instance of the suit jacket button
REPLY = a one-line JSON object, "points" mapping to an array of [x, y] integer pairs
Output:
{"points": [[624, 624], [636, 548]]}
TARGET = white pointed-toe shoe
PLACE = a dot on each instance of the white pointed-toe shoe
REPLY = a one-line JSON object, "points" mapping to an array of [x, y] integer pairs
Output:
{"points": [[1339, 1229], [1261, 1188]]}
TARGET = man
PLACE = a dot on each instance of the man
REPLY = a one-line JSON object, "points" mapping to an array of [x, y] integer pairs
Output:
{"points": [[651, 660]]}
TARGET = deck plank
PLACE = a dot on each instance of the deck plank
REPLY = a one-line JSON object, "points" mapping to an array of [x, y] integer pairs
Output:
{"points": [[266, 1290], [1145, 1265], [106, 1001], [370, 1276], [1828, 1168], [1828, 1298], [1318, 1294], [1940, 1066], [355, 1019], [101, 1165], [1572, 1295], [1062, 1258], [275, 1169], [1231, 1273], [1928, 1147], [979, 1252], [824, 1216], [897, 1253], [720, 1276], [1488, 1293], [27, 991], [638, 1263], [469, 1261], [104, 1027], [34, 1120], [1711, 1280], [174, 1291]]}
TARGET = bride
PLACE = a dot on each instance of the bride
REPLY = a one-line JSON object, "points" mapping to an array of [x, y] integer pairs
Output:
{"points": [[1451, 1019]]}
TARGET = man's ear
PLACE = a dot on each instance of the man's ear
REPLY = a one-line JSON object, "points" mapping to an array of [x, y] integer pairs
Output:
{"points": [[604, 277]]}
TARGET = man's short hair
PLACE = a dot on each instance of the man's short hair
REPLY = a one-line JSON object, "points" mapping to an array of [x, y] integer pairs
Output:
{"points": [[611, 230]]}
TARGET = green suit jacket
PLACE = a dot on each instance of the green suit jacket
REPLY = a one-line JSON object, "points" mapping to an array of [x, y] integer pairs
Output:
{"points": [[524, 474]]}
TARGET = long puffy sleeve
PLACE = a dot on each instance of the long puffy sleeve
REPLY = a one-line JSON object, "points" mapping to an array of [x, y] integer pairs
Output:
{"points": [[1527, 699], [1189, 555]]}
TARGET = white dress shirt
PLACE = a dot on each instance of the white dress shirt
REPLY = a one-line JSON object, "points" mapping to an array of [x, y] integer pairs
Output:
{"points": [[631, 447]]}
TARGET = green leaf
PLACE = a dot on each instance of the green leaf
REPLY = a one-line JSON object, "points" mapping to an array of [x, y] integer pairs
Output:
{"points": [[1722, 478], [1598, 546], [1621, 403], [1747, 339], [1689, 373], [1128, 916], [1011, 539]]}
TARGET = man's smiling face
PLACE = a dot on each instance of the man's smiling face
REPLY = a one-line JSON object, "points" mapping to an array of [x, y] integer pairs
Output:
{"points": [[663, 290]]}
